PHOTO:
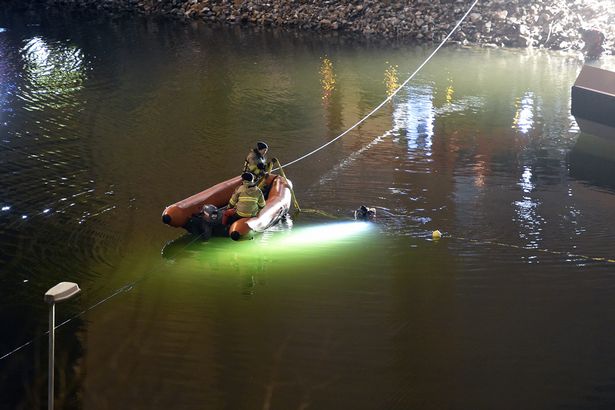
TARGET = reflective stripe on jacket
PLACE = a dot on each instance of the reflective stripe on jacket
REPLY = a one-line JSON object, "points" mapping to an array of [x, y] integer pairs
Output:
{"points": [[248, 200]]}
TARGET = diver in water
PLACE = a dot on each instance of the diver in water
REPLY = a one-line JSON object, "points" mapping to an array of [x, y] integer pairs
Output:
{"points": [[364, 213]]}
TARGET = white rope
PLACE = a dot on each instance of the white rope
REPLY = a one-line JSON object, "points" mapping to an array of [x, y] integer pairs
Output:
{"points": [[129, 286], [390, 96], [125, 288]]}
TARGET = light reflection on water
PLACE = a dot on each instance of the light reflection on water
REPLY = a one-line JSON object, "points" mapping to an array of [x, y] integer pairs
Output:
{"points": [[57, 70], [524, 116], [527, 212], [414, 116], [280, 243], [107, 128], [324, 239], [52, 75]]}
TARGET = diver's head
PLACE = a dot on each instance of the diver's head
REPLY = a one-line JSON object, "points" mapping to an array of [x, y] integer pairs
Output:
{"points": [[364, 213]]}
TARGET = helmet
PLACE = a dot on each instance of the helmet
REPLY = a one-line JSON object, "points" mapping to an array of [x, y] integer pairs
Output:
{"points": [[247, 177], [261, 145], [210, 213]]}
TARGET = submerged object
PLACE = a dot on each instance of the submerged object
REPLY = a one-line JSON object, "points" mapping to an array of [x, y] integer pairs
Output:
{"points": [[201, 213], [593, 101]]}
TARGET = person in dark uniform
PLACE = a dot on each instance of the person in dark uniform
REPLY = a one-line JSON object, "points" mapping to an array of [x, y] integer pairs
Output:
{"points": [[256, 162]]}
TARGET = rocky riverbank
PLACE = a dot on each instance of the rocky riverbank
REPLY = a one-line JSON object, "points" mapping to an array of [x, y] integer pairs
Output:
{"points": [[561, 25]]}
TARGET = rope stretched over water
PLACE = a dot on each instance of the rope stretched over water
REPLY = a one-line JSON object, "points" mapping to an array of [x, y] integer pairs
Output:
{"points": [[379, 106], [123, 289], [526, 248], [373, 111], [129, 286]]}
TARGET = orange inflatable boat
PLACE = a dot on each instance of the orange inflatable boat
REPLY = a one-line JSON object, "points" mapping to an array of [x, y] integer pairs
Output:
{"points": [[201, 214]]}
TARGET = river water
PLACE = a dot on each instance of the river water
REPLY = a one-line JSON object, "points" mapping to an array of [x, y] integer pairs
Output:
{"points": [[105, 121]]}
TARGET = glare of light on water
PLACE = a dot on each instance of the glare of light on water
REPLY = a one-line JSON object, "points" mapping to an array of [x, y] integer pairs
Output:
{"points": [[450, 91], [416, 115], [325, 233], [530, 222], [295, 241], [55, 69], [526, 180], [480, 172], [524, 114], [327, 78], [391, 79]]}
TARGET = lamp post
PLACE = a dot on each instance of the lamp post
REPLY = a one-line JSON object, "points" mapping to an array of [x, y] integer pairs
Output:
{"points": [[58, 293]]}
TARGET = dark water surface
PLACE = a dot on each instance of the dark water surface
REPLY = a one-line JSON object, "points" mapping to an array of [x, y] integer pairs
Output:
{"points": [[104, 122]]}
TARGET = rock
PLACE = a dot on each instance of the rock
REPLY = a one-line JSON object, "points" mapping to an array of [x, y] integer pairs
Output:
{"points": [[474, 17], [510, 22], [501, 14]]}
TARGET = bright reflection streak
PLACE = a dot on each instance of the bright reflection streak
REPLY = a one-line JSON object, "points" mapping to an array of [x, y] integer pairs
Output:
{"points": [[416, 115], [6, 85], [391, 79], [527, 216], [480, 170], [55, 70], [450, 91], [303, 249], [524, 113], [327, 79], [526, 180], [325, 233]]}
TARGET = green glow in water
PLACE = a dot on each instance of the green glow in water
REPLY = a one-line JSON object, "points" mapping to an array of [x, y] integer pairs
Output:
{"points": [[293, 250]]}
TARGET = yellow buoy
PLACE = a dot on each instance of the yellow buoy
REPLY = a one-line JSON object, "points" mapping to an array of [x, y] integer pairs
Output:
{"points": [[436, 234]]}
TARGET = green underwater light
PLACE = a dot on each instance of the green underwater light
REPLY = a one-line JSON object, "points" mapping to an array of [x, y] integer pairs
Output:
{"points": [[276, 263], [294, 244], [342, 232]]}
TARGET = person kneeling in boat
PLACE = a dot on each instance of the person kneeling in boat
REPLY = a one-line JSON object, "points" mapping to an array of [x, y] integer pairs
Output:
{"points": [[246, 201], [257, 164]]}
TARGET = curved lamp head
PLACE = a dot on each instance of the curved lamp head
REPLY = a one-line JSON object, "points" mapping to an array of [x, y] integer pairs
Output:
{"points": [[61, 291]]}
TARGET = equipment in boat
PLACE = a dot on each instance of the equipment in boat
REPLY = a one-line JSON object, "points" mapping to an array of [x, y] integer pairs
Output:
{"points": [[201, 214]]}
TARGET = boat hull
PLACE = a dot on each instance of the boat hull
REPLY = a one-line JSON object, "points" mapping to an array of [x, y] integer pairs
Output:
{"points": [[183, 213]]}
